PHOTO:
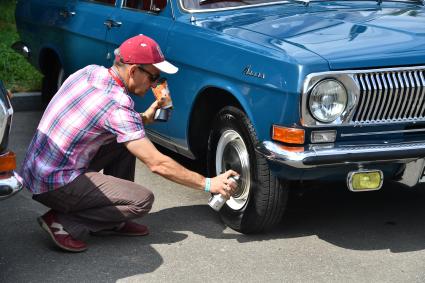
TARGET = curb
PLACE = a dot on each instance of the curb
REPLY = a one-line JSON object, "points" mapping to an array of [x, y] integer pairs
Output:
{"points": [[27, 101]]}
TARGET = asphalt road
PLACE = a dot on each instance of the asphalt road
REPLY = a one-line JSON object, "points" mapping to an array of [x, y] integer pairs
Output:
{"points": [[328, 234]]}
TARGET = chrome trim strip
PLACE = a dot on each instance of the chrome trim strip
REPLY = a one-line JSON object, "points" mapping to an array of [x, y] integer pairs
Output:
{"points": [[403, 96], [277, 153], [361, 110], [157, 138], [304, 2], [369, 95], [229, 8], [382, 133], [396, 101], [422, 96], [418, 97], [386, 98], [406, 92], [390, 95], [411, 95], [173, 14], [381, 100], [373, 108]]}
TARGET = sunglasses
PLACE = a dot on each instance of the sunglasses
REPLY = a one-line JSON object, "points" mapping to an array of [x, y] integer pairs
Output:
{"points": [[153, 78]]}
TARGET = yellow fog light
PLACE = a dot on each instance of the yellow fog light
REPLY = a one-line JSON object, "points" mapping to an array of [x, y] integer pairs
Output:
{"points": [[360, 181]]}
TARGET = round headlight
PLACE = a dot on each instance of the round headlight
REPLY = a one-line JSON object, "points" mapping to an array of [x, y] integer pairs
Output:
{"points": [[327, 100]]}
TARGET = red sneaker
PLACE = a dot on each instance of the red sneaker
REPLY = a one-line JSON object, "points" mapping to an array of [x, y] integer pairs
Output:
{"points": [[126, 229], [59, 236], [132, 229]]}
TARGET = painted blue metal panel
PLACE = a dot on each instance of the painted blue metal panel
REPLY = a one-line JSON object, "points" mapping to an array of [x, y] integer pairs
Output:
{"points": [[281, 43]]}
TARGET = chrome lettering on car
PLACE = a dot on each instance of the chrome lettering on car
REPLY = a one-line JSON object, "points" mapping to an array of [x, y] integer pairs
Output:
{"points": [[249, 72]]}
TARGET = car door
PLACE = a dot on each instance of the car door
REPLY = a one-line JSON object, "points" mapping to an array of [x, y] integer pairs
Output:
{"points": [[87, 33], [149, 17]]}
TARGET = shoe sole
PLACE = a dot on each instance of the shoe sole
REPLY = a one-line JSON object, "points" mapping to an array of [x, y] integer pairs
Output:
{"points": [[113, 233], [45, 227]]}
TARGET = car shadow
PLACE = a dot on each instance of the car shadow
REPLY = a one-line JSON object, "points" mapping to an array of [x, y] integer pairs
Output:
{"points": [[391, 218], [388, 219]]}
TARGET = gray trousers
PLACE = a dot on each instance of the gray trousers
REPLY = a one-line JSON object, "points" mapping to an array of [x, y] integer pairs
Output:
{"points": [[96, 201]]}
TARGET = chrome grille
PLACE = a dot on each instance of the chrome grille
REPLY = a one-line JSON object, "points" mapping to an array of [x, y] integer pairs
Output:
{"points": [[390, 96]]}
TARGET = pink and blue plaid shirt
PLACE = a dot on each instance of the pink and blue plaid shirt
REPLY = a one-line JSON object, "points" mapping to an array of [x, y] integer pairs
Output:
{"points": [[88, 111]]}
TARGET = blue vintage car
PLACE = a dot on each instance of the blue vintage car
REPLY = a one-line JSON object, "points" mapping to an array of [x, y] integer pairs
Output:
{"points": [[280, 91]]}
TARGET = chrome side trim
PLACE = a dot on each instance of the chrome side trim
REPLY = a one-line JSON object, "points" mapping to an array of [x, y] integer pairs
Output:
{"points": [[382, 133], [320, 154], [173, 14], [163, 141]]}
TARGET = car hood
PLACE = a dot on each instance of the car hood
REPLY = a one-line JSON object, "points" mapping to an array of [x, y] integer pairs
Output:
{"points": [[354, 37]]}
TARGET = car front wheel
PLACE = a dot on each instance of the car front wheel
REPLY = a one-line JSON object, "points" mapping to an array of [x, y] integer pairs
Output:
{"points": [[260, 199]]}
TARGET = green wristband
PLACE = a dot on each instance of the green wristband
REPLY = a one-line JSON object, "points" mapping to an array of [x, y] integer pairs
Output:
{"points": [[207, 184]]}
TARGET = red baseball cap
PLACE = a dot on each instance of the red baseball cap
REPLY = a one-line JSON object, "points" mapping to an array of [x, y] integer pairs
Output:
{"points": [[141, 49]]}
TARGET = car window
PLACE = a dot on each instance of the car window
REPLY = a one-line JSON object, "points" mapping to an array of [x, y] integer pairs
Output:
{"points": [[220, 4], [145, 5], [106, 2]]}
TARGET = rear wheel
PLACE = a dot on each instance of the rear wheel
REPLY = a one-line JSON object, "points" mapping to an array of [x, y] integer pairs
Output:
{"points": [[52, 81], [260, 199]]}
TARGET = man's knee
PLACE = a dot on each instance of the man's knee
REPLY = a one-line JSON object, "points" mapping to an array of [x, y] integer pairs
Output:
{"points": [[144, 203]]}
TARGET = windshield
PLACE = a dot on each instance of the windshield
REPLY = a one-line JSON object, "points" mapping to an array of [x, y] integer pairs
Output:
{"points": [[220, 4]]}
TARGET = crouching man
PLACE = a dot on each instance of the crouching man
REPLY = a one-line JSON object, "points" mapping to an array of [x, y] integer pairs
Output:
{"points": [[91, 125]]}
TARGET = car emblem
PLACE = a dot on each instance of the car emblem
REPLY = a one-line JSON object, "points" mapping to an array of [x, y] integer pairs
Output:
{"points": [[249, 72]]}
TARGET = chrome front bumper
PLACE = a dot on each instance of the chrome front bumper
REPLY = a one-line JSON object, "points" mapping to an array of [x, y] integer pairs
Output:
{"points": [[9, 185], [328, 155]]}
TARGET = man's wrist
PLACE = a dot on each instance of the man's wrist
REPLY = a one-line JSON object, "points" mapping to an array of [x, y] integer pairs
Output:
{"points": [[207, 186], [144, 118]]}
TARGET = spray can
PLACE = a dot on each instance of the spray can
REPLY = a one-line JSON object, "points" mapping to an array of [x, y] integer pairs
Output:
{"points": [[162, 92], [217, 201]]}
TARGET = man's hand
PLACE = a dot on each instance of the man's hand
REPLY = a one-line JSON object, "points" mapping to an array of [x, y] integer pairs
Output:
{"points": [[222, 185], [163, 165], [149, 114]]}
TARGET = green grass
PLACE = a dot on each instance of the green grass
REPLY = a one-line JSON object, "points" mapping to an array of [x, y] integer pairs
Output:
{"points": [[16, 73]]}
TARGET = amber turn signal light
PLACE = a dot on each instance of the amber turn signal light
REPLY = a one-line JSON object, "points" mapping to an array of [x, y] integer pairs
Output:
{"points": [[7, 162], [288, 135]]}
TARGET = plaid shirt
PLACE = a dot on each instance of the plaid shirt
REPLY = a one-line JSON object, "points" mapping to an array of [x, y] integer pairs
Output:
{"points": [[88, 111]]}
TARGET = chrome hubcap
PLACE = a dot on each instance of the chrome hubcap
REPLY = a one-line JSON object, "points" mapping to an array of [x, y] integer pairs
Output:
{"points": [[61, 77], [233, 154]]}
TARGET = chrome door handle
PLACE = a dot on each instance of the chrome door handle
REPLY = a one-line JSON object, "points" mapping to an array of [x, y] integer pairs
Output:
{"points": [[66, 14], [112, 24]]}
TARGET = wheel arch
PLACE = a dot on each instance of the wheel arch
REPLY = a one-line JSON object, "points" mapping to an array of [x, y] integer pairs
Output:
{"points": [[206, 105], [48, 56]]}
